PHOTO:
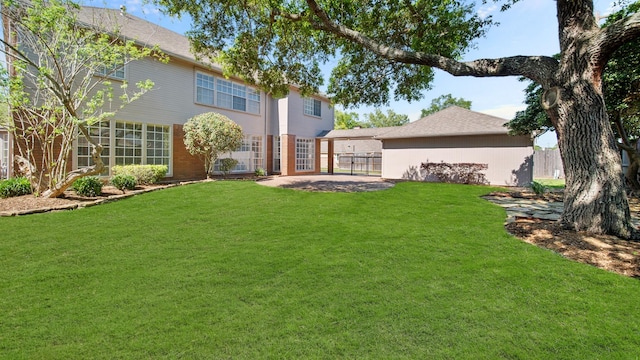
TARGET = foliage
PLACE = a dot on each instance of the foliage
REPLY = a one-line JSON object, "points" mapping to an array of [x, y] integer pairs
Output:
{"points": [[260, 172], [144, 174], [389, 48], [124, 182], [444, 101], [209, 135], [58, 88], [227, 164], [378, 119], [437, 269], [88, 186], [346, 120], [538, 188], [14, 187], [460, 173]]}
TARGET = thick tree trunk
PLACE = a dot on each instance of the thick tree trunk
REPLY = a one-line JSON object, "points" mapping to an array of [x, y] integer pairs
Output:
{"points": [[595, 200]]}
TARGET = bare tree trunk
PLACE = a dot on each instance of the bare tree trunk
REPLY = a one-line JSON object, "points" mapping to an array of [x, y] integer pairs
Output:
{"points": [[595, 199]]}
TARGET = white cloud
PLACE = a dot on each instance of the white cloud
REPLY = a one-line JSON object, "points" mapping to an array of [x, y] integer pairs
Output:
{"points": [[485, 11], [504, 111]]}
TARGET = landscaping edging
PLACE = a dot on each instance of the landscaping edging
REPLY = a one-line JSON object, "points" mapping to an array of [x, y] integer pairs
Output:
{"points": [[85, 203]]}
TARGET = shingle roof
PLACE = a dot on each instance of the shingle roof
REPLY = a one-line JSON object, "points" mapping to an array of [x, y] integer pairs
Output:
{"points": [[142, 31], [145, 33], [366, 133], [452, 121]]}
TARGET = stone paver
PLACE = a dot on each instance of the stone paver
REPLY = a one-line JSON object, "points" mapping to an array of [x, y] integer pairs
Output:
{"points": [[534, 209]]}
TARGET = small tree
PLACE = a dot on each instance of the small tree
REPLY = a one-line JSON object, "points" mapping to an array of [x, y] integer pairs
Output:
{"points": [[346, 120], [210, 134], [378, 119], [57, 85], [444, 101]]}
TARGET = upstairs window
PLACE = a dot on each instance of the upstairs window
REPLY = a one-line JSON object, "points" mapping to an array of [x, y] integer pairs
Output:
{"points": [[114, 72], [226, 94], [312, 107]]}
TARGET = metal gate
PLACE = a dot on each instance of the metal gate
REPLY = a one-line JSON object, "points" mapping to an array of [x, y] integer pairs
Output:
{"points": [[359, 164]]}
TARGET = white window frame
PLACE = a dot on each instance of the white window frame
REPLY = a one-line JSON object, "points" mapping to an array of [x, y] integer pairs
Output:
{"points": [[276, 154], [111, 145], [4, 155], [226, 94], [203, 79], [101, 132], [249, 156], [312, 107], [305, 154], [116, 72]]}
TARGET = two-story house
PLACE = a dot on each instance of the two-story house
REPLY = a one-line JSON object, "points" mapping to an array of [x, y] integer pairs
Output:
{"points": [[281, 134]]}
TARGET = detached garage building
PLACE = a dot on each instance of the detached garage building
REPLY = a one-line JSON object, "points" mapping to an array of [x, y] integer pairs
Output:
{"points": [[457, 135]]}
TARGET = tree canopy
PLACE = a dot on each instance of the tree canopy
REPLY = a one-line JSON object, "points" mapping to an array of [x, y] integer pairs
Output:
{"points": [[444, 101], [209, 135], [378, 119], [346, 120]]}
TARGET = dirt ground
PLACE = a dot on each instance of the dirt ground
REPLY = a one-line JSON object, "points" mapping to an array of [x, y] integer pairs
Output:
{"points": [[603, 251], [606, 252]]}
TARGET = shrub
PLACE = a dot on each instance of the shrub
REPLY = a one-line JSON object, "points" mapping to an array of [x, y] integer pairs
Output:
{"points": [[260, 172], [227, 164], [538, 188], [88, 186], [144, 174], [124, 182], [461, 173], [14, 187]]}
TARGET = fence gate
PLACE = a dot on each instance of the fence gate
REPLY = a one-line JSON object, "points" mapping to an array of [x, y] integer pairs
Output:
{"points": [[359, 164]]}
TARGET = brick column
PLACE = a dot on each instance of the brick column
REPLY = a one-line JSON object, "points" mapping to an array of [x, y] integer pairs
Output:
{"points": [[287, 154], [269, 162], [330, 154], [318, 157]]}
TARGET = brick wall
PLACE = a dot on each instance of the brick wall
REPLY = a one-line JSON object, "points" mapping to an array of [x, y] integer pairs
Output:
{"points": [[185, 165]]}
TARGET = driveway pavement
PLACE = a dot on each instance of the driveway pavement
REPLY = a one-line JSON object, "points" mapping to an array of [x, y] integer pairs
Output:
{"points": [[343, 183]]}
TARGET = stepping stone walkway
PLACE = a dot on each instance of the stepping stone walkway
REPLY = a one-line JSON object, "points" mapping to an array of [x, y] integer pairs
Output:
{"points": [[534, 208]]}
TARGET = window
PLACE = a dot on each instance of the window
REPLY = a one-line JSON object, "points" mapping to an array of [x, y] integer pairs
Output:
{"points": [[204, 89], [158, 145], [312, 107], [114, 72], [226, 94], [276, 154], [128, 146], [126, 143], [4, 155], [100, 132], [249, 156], [305, 154]]}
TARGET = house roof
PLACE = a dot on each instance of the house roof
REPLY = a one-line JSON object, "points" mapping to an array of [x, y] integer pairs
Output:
{"points": [[452, 121], [365, 133], [145, 33], [142, 31]]}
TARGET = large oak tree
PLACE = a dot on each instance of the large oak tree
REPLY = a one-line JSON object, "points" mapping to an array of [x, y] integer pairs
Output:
{"points": [[389, 47]]}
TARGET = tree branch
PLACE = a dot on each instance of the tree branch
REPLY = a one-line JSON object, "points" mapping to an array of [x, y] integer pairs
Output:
{"points": [[536, 68], [610, 38]]}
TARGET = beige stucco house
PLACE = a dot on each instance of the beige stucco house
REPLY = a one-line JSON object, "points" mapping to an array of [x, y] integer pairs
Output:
{"points": [[457, 135], [281, 133]]}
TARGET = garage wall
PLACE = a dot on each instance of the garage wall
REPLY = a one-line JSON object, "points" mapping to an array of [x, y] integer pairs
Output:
{"points": [[509, 158]]}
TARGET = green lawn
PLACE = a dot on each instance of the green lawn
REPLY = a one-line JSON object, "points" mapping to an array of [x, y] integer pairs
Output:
{"points": [[235, 270], [552, 183]]}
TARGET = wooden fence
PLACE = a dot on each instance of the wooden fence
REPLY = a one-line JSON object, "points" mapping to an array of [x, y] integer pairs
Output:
{"points": [[547, 164]]}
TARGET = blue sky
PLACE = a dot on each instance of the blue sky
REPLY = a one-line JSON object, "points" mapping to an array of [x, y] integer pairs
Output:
{"points": [[528, 28]]}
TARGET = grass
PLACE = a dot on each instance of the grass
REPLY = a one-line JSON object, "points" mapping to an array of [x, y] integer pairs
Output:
{"points": [[552, 183], [237, 270]]}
